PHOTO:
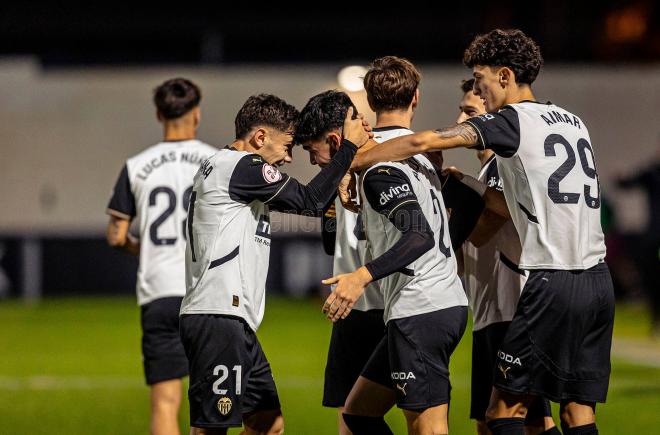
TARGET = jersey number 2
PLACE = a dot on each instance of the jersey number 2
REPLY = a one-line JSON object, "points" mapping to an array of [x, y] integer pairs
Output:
{"points": [[554, 193], [437, 209], [171, 196]]}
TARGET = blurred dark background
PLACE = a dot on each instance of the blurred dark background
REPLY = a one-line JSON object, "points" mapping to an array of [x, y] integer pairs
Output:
{"points": [[109, 33]]}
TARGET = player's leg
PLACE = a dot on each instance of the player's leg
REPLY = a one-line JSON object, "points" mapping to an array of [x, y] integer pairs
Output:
{"points": [[485, 343], [420, 349], [260, 402], [371, 396], [208, 431], [431, 421], [165, 362], [165, 403], [578, 418], [539, 418], [219, 366], [352, 342]]}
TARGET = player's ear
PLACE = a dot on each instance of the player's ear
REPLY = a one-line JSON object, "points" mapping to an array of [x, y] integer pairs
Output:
{"points": [[505, 76], [197, 116], [159, 117], [333, 140], [415, 100], [259, 137]]}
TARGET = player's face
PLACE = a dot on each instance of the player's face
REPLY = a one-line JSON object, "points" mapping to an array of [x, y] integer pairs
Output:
{"points": [[321, 150], [277, 147], [470, 106], [488, 86]]}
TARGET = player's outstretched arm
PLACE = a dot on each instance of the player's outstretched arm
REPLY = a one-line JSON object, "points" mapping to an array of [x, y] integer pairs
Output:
{"points": [[400, 148]]}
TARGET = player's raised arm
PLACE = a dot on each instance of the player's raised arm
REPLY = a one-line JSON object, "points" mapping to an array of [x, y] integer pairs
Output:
{"points": [[400, 148]]}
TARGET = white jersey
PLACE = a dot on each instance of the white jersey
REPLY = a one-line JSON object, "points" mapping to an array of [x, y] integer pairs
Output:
{"points": [[154, 187], [547, 165], [228, 248], [493, 280], [351, 250], [351, 253], [430, 282]]}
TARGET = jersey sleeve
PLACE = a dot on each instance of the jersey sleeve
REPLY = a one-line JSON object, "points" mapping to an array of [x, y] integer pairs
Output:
{"points": [[122, 202], [466, 206], [498, 131], [390, 193], [255, 179]]}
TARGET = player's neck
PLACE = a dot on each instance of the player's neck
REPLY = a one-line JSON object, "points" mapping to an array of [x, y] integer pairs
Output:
{"points": [[521, 93], [244, 145], [396, 118], [173, 133]]}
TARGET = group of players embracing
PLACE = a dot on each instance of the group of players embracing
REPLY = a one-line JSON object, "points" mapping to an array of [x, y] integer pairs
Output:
{"points": [[524, 235]]}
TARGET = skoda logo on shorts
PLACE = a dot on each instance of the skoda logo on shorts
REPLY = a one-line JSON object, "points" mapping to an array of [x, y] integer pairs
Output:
{"points": [[224, 405]]}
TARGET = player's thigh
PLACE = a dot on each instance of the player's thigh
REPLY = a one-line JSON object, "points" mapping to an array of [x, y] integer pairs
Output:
{"points": [[263, 422], [166, 393], [369, 398], [430, 421], [217, 347]]}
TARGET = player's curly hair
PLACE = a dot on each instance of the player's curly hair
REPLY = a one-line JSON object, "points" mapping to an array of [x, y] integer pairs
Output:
{"points": [[322, 113], [176, 97], [265, 110], [391, 83], [510, 48]]}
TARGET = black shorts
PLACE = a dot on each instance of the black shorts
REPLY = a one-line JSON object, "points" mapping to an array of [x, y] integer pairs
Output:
{"points": [[352, 342], [485, 343], [413, 357], [558, 344], [163, 356], [229, 373]]}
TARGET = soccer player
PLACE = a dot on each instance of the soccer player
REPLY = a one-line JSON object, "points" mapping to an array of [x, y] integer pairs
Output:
{"points": [[405, 223], [558, 343], [353, 339], [227, 262], [493, 282], [154, 186]]}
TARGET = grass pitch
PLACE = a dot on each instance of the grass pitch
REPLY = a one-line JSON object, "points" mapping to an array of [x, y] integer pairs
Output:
{"points": [[72, 366]]}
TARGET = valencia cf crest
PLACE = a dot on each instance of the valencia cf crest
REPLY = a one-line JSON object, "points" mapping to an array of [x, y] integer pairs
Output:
{"points": [[270, 173], [224, 405]]}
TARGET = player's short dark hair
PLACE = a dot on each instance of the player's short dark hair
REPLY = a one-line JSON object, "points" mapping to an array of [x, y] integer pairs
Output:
{"points": [[322, 113], [391, 83], [467, 85], [265, 110], [176, 97], [510, 48]]}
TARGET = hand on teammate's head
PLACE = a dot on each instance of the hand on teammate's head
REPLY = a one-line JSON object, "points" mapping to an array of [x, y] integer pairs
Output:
{"points": [[356, 128]]}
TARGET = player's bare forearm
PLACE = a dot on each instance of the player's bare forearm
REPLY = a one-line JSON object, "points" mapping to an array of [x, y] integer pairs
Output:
{"points": [[495, 202], [118, 236], [403, 147], [487, 226]]}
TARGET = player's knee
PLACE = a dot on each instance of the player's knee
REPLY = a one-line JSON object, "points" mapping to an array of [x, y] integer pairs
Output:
{"points": [[576, 414], [278, 426], [362, 425]]}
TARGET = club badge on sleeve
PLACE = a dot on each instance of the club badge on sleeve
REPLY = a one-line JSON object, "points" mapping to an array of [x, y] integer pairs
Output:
{"points": [[270, 173]]}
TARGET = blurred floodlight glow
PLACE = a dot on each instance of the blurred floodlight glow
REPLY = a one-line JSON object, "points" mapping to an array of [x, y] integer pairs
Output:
{"points": [[351, 78]]}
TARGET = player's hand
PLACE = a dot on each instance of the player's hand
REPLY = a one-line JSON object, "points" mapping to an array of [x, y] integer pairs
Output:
{"points": [[350, 287], [356, 130], [452, 170], [347, 190]]}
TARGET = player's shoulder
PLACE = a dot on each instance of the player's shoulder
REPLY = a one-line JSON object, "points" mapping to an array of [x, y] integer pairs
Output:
{"points": [[383, 134], [383, 169], [204, 147]]}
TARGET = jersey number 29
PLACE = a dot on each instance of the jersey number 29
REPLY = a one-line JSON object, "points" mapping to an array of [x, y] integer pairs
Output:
{"points": [[583, 146]]}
